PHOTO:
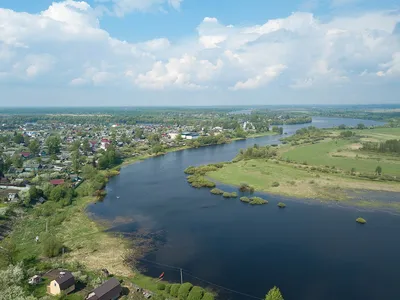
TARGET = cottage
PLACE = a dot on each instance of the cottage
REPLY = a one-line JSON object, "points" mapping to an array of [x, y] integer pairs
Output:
{"points": [[64, 283], [26, 155], [136, 288], [105, 143], [110, 290], [56, 182]]}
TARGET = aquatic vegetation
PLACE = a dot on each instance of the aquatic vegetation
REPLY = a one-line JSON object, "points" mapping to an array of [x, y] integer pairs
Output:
{"points": [[361, 220]]}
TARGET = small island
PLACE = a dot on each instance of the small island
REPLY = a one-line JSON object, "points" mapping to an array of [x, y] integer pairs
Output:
{"points": [[361, 221], [281, 205]]}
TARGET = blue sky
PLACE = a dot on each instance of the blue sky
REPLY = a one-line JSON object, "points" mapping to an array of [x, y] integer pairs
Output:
{"points": [[164, 52]]}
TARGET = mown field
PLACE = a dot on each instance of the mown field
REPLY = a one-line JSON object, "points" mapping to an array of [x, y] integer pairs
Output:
{"points": [[346, 155]]}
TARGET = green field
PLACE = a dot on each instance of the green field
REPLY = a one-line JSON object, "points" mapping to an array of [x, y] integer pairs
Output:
{"points": [[295, 180], [344, 154]]}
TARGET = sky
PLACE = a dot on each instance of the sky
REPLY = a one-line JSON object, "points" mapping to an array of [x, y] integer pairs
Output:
{"points": [[199, 52]]}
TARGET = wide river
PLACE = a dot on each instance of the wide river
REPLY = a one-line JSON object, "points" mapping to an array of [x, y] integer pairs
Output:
{"points": [[309, 251]]}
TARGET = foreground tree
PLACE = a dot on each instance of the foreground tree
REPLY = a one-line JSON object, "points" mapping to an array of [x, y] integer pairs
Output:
{"points": [[274, 294]]}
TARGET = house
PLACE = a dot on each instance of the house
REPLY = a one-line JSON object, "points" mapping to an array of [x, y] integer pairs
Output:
{"points": [[64, 283], [26, 155], [12, 197], [41, 200], [109, 290], [56, 182], [59, 168], [147, 294], [93, 145], [105, 143], [190, 135], [35, 280]]}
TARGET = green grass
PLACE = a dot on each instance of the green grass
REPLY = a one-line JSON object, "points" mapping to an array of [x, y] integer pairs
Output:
{"points": [[321, 154], [294, 181]]}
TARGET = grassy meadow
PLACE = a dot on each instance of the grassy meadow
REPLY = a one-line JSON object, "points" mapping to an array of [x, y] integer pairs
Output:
{"points": [[294, 180], [345, 154]]}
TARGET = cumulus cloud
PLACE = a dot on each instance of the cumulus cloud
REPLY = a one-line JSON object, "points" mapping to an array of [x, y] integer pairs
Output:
{"points": [[65, 44]]}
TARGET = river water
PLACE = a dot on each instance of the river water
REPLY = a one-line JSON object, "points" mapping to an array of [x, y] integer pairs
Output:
{"points": [[308, 251]]}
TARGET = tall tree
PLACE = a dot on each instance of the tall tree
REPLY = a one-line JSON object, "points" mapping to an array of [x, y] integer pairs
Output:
{"points": [[53, 143], [34, 147]]}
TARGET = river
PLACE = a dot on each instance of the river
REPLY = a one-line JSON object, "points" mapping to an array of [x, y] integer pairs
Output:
{"points": [[308, 251]]}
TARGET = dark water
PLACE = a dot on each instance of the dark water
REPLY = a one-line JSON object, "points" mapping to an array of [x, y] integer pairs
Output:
{"points": [[309, 251]]}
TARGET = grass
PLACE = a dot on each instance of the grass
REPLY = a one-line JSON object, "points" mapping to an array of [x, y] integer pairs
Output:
{"points": [[85, 239], [326, 153], [295, 180]]}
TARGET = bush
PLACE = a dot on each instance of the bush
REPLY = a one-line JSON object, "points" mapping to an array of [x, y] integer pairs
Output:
{"points": [[200, 181], [361, 220], [275, 184], [257, 201], [229, 195], [196, 293], [168, 288], [208, 296], [190, 170], [245, 199], [174, 289], [51, 246], [216, 191], [244, 187], [160, 286], [281, 205], [184, 290]]}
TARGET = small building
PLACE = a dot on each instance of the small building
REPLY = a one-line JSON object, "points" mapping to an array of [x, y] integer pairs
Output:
{"points": [[26, 155], [56, 182], [35, 280], [109, 290], [64, 283], [147, 294], [105, 143], [136, 288], [41, 200], [12, 197]]}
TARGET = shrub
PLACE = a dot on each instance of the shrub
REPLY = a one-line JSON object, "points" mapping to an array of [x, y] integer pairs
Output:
{"points": [[208, 296], [244, 187], [168, 288], [200, 181], [190, 170], [275, 184], [229, 195], [361, 220], [184, 290], [245, 199], [196, 293], [216, 191], [258, 201], [51, 246], [311, 181], [174, 289], [160, 286], [281, 205]]}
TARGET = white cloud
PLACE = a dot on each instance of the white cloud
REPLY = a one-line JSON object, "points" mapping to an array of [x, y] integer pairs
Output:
{"points": [[262, 79], [65, 44], [123, 7]]}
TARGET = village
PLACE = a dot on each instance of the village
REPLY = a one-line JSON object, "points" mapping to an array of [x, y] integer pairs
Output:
{"points": [[43, 167]]}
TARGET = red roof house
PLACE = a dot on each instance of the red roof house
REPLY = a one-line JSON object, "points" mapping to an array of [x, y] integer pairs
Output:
{"points": [[57, 181], [25, 154]]}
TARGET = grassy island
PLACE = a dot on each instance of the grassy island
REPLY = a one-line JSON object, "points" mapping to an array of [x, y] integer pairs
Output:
{"points": [[361, 220]]}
